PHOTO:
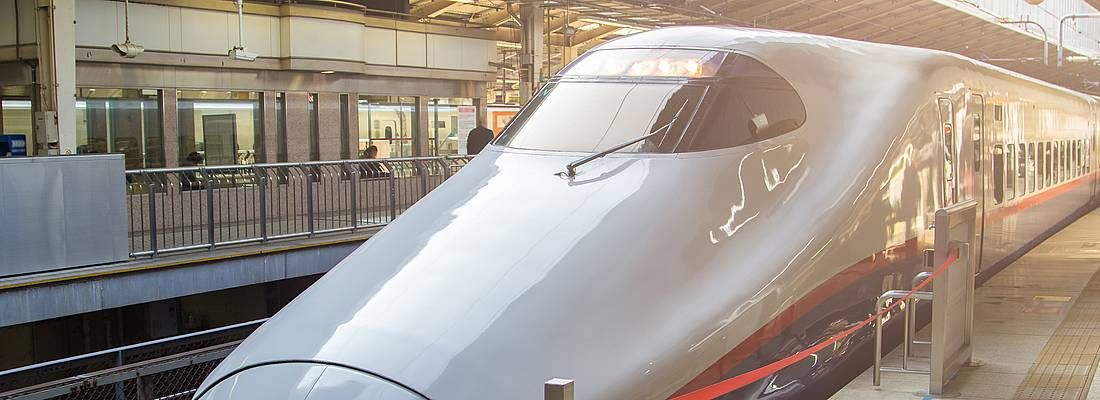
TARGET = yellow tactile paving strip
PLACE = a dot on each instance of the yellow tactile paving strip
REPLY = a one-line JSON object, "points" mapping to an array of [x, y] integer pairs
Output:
{"points": [[1068, 362]]}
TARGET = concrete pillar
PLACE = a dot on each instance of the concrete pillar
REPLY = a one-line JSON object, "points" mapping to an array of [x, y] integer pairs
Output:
{"points": [[271, 129], [531, 48], [329, 125], [55, 117], [297, 127], [420, 130], [353, 125], [169, 125]]}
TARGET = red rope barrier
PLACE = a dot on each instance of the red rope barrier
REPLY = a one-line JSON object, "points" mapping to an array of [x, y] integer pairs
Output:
{"points": [[728, 385]]}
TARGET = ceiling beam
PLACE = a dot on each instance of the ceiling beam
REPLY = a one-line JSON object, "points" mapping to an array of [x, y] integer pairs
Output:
{"points": [[432, 8], [492, 17]]}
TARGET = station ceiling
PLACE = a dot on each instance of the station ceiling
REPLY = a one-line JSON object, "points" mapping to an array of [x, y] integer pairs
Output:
{"points": [[919, 23]]}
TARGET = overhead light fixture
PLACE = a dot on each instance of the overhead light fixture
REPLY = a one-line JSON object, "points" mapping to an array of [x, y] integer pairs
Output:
{"points": [[128, 49], [327, 72], [568, 30], [589, 26], [238, 52], [92, 90]]}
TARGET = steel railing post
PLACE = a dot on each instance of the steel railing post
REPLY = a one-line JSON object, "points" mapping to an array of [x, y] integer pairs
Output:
{"points": [[209, 208], [261, 182], [152, 214], [309, 196], [446, 167], [423, 171], [353, 183], [393, 190]]}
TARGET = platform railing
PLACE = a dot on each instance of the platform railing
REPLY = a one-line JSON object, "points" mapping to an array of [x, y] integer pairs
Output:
{"points": [[165, 368], [191, 208]]}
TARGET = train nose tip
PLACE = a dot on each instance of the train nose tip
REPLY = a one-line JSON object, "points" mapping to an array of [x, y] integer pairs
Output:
{"points": [[306, 381]]}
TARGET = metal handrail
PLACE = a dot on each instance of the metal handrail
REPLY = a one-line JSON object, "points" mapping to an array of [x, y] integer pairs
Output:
{"points": [[203, 207], [130, 347]]}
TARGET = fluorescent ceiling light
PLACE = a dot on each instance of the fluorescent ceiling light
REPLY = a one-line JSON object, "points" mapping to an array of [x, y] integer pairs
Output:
{"points": [[327, 72], [589, 26]]}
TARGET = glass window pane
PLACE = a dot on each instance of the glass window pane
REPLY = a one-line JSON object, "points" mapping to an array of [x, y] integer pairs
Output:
{"points": [[218, 127], [314, 132], [386, 126], [449, 120], [123, 121]]}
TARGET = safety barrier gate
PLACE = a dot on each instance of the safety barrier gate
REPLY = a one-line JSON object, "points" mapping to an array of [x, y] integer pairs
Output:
{"points": [[952, 300]]}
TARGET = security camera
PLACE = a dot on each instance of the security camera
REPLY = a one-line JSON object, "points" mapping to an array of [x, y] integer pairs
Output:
{"points": [[240, 53], [128, 49]]}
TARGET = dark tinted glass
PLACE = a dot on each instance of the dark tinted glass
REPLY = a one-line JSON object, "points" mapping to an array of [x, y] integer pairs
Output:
{"points": [[752, 103]]}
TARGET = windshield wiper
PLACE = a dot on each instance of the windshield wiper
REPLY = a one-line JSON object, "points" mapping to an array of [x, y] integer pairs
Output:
{"points": [[571, 168]]}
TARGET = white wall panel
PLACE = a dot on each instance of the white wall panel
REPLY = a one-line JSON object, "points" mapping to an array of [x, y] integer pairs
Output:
{"points": [[7, 22], [317, 38], [150, 26], [98, 23], [445, 51], [261, 34], [380, 46], [205, 32], [411, 49]]}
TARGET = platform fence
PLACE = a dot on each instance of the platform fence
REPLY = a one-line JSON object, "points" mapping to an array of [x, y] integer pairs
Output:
{"points": [[193, 208], [168, 368]]}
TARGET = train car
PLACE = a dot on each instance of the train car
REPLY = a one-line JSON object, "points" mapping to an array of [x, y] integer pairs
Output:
{"points": [[678, 207]]}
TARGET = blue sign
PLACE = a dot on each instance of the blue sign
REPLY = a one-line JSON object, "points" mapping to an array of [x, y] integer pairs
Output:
{"points": [[13, 145]]}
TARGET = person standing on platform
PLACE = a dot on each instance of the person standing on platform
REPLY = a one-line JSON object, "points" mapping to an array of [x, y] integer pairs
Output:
{"points": [[478, 138]]}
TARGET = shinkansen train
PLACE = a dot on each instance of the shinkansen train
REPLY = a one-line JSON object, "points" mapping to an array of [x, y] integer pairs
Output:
{"points": [[678, 207]]}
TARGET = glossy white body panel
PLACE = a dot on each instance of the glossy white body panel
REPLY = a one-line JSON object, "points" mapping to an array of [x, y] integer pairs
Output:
{"points": [[644, 270]]}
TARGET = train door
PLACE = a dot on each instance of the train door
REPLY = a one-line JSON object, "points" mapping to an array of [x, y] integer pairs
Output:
{"points": [[979, 177], [962, 138]]}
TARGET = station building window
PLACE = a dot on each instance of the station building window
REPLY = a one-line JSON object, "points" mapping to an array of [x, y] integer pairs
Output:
{"points": [[449, 120], [123, 121], [221, 126], [388, 123], [16, 118]]}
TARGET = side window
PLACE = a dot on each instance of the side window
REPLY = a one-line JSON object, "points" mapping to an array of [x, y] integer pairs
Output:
{"points": [[1041, 165], [750, 103], [1009, 167], [947, 140], [998, 174], [1021, 169], [1032, 168]]}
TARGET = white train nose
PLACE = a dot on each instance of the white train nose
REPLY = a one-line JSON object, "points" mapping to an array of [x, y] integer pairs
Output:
{"points": [[307, 381]]}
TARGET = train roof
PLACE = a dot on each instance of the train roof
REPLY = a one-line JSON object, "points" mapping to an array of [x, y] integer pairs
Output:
{"points": [[766, 43]]}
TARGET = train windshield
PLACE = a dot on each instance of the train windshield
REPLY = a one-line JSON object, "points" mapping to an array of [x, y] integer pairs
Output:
{"points": [[607, 99]]}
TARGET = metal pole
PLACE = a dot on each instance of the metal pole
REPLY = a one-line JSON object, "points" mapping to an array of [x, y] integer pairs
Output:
{"points": [[152, 214], [1061, 25], [309, 197], [353, 182], [1046, 39], [209, 208], [261, 180], [558, 389], [876, 373]]}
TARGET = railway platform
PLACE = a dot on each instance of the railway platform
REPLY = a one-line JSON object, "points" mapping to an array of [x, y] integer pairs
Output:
{"points": [[1036, 329]]}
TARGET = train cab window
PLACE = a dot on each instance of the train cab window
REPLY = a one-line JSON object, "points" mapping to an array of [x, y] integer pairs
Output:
{"points": [[1032, 168], [613, 96], [1010, 171], [593, 116], [750, 103], [998, 174]]}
